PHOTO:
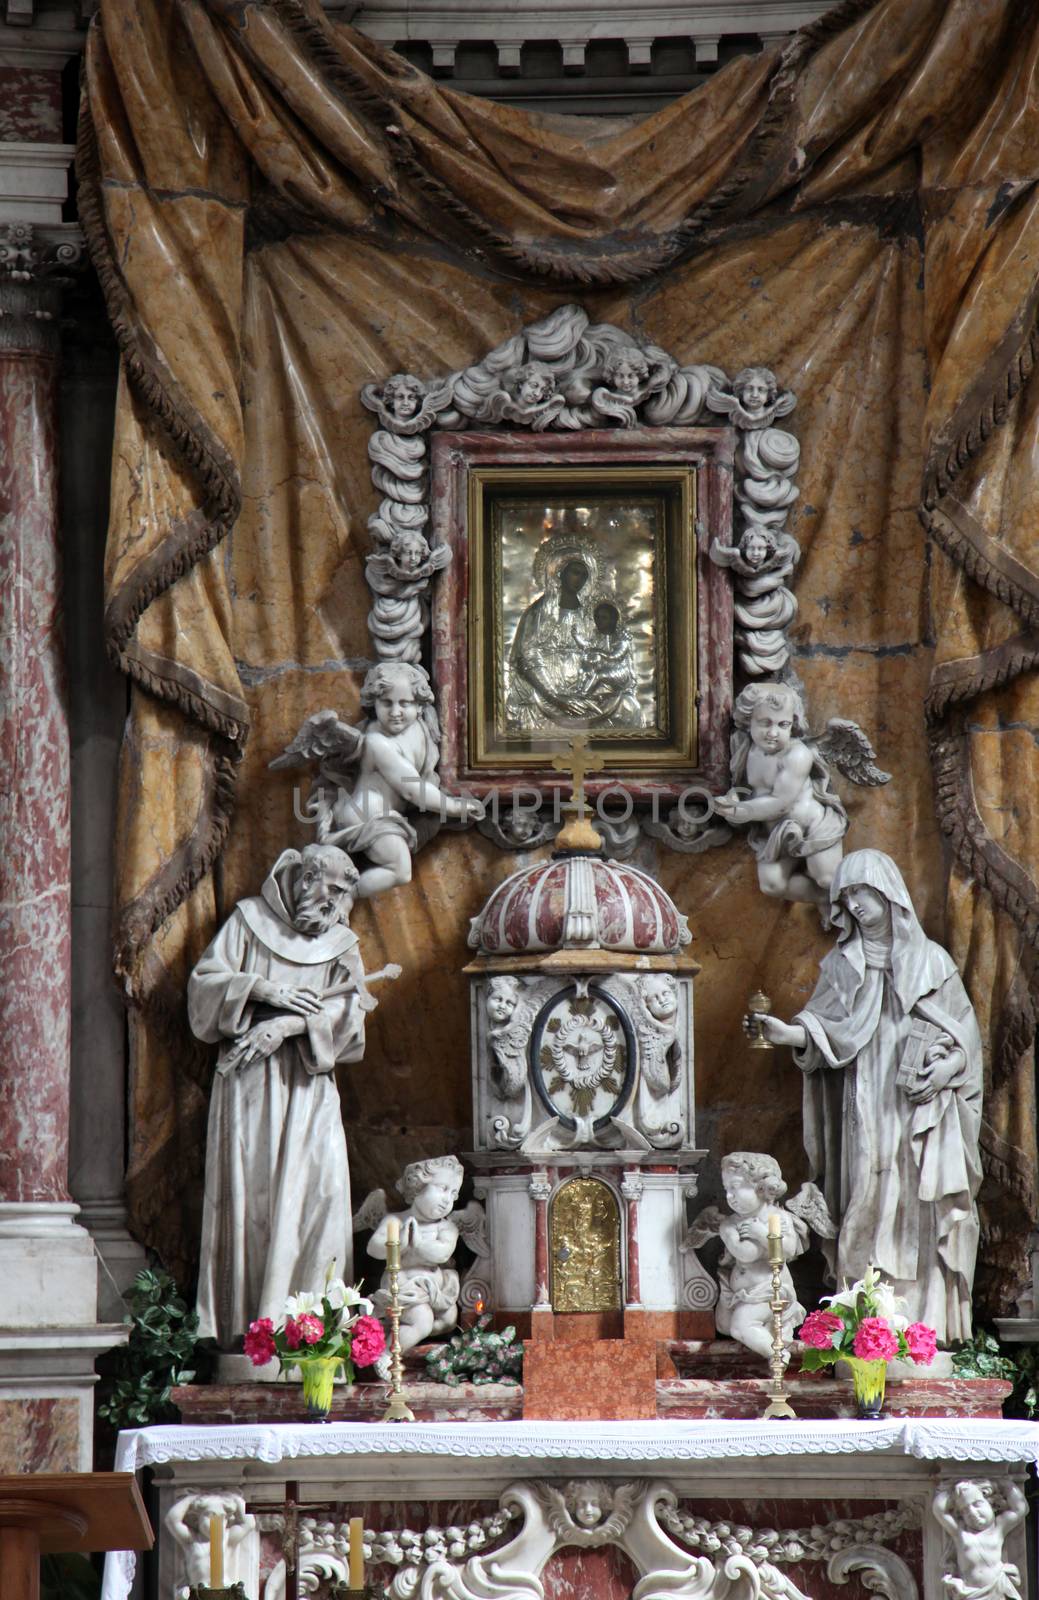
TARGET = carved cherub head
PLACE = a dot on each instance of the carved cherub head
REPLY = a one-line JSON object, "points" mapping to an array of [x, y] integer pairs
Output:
{"points": [[659, 993], [974, 1502], [501, 1000], [396, 692], [626, 371], [751, 1180], [431, 1187], [409, 549], [532, 384], [756, 389], [756, 547], [588, 1501], [772, 713], [402, 395], [324, 890]]}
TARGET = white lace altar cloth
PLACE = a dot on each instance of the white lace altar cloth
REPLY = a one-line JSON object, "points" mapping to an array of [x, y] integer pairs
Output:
{"points": [[974, 1439]]}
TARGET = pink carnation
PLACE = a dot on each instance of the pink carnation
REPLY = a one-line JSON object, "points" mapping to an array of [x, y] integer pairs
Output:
{"points": [[293, 1333], [367, 1342], [874, 1340], [819, 1328], [259, 1342], [922, 1342], [310, 1327]]}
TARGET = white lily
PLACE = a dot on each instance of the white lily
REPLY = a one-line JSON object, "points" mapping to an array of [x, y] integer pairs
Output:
{"points": [[297, 1304], [888, 1303]]}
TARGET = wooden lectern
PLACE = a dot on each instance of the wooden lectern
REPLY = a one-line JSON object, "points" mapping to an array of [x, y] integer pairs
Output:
{"points": [[44, 1513]]}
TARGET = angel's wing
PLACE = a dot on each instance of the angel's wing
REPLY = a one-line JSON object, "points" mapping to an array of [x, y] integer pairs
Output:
{"points": [[703, 1227], [809, 1206], [846, 747], [471, 1223], [323, 736], [370, 1212]]}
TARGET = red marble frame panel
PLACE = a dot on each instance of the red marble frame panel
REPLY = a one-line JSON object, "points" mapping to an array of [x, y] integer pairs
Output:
{"points": [[710, 452]]}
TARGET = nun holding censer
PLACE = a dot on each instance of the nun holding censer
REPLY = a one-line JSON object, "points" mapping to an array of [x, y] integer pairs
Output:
{"points": [[891, 1055]]}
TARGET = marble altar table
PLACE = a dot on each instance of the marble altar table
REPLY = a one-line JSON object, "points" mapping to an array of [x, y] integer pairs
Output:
{"points": [[698, 1504]]}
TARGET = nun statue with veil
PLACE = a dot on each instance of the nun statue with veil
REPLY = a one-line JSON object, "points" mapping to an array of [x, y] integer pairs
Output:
{"points": [[891, 1054]]}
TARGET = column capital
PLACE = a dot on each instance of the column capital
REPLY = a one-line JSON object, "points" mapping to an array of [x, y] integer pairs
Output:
{"points": [[36, 260]]}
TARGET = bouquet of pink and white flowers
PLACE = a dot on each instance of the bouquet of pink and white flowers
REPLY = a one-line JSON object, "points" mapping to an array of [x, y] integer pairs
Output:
{"points": [[336, 1326], [866, 1323]]}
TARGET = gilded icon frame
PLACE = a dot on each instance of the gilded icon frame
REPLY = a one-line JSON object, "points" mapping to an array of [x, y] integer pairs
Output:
{"points": [[674, 487]]}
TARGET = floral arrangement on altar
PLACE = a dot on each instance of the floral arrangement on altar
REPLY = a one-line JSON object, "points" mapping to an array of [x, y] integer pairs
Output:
{"points": [[323, 1335], [865, 1326]]}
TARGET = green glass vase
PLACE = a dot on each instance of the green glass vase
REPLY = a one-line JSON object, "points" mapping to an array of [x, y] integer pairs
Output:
{"points": [[868, 1379], [318, 1374]]}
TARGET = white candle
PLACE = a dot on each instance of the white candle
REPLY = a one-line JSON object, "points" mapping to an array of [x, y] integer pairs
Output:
{"points": [[393, 1230], [356, 1549], [775, 1226]]}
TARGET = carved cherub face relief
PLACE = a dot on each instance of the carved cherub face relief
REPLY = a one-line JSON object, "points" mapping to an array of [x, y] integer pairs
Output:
{"points": [[588, 1502], [741, 1196], [660, 995], [626, 374], [974, 1507], [535, 387], [410, 550], [502, 999], [754, 395], [772, 725], [436, 1199], [755, 548], [402, 396], [395, 705]]}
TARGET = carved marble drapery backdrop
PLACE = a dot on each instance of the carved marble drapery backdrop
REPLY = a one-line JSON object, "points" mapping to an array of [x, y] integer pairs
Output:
{"points": [[783, 213]]}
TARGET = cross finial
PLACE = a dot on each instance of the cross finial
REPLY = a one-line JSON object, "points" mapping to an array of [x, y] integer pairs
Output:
{"points": [[577, 760]]}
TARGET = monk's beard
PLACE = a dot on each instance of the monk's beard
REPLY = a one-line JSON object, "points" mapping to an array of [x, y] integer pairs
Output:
{"points": [[309, 917]]}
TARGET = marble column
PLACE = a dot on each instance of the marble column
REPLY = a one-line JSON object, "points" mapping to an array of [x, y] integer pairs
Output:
{"points": [[97, 712], [541, 1316], [49, 1335], [631, 1193]]}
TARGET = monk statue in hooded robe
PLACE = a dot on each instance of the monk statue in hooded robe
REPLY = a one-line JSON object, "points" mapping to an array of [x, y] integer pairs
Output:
{"points": [[891, 1055], [282, 990]]}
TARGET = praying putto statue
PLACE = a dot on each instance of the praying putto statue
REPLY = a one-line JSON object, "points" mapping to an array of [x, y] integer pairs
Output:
{"points": [[430, 1227], [891, 1054], [754, 1189]]}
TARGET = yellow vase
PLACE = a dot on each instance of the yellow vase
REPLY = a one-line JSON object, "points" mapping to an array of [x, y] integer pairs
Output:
{"points": [[868, 1379], [318, 1374]]}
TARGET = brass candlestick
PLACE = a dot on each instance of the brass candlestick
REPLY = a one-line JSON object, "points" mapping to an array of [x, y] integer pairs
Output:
{"points": [[779, 1404], [759, 1002], [397, 1410]]}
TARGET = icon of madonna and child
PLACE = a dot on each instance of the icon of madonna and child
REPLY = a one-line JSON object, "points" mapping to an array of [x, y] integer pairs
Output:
{"points": [[572, 660]]}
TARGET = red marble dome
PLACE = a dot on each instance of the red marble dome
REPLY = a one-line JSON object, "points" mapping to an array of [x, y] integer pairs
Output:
{"points": [[579, 902]]}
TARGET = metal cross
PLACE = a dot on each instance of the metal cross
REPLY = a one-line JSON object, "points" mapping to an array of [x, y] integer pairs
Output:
{"points": [[577, 761]]}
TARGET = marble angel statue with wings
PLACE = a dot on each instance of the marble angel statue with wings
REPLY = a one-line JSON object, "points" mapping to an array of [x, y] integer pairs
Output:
{"points": [[783, 791], [754, 1189], [430, 1228], [376, 771]]}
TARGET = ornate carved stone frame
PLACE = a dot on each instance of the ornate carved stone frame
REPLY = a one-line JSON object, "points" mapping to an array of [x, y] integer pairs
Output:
{"points": [[583, 388]]}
